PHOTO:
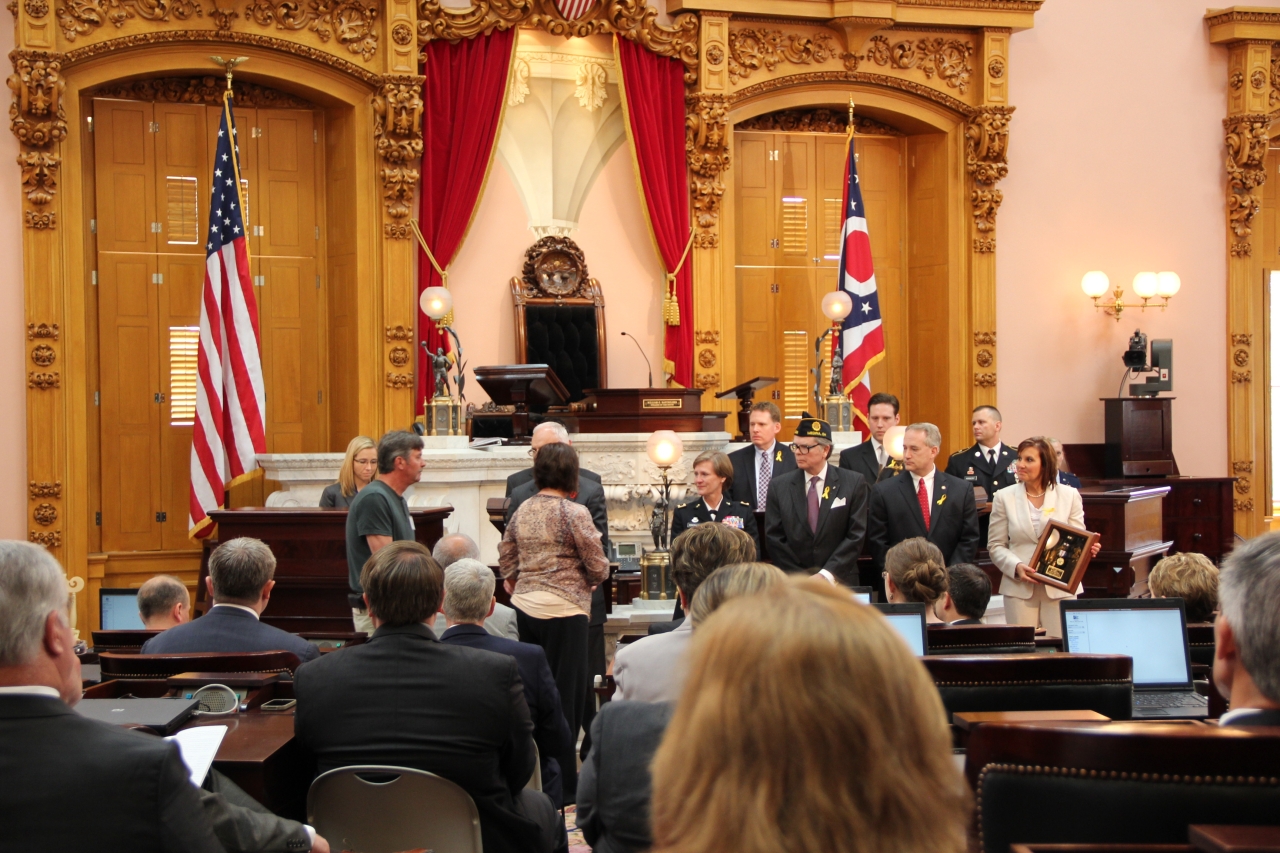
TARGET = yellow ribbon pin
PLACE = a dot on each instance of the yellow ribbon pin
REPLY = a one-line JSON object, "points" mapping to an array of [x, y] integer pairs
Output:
{"points": [[778, 458], [826, 493], [941, 499]]}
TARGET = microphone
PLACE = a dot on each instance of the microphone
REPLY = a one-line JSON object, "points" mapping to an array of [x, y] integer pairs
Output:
{"points": [[642, 355]]}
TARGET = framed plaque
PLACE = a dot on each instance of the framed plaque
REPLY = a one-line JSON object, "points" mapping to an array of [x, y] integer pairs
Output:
{"points": [[1062, 555]]}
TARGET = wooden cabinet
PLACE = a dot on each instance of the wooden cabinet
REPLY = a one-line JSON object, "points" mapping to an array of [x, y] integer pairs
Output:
{"points": [[1197, 513]]}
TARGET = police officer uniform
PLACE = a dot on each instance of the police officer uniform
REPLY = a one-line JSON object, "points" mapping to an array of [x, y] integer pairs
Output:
{"points": [[733, 513]]}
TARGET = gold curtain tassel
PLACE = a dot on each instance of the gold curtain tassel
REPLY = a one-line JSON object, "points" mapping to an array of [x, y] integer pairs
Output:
{"points": [[671, 305]]}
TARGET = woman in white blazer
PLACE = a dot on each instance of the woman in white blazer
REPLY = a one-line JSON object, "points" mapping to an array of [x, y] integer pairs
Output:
{"points": [[1018, 516]]}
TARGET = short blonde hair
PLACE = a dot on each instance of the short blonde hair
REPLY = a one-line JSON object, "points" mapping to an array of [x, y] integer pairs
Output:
{"points": [[347, 473], [917, 569], [732, 581], [1191, 577], [758, 754]]}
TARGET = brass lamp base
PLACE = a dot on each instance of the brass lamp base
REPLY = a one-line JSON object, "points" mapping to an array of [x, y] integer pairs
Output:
{"points": [[838, 411], [443, 416], [656, 583]]}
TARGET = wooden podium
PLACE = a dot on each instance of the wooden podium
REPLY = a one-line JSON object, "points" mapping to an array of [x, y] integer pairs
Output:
{"points": [[645, 410], [310, 545]]}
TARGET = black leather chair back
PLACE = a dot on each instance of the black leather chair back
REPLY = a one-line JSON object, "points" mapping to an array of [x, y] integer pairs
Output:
{"points": [[981, 639], [1052, 682], [1201, 641], [1123, 783], [565, 337], [120, 641]]}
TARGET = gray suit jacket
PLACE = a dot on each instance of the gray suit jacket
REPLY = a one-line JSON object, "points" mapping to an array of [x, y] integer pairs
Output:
{"points": [[244, 825], [614, 786], [501, 624], [653, 669]]}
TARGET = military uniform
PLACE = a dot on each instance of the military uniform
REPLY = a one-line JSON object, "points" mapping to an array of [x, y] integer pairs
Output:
{"points": [[733, 513], [974, 464]]}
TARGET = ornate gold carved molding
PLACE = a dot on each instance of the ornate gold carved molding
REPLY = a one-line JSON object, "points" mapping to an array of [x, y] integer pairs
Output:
{"points": [[397, 130], [45, 514], [37, 116], [984, 380], [631, 19], [766, 87], [350, 22], [398, 356], [44, 381], [45, 490], [750, 48], [398, 333], [78, 17], [986, 139], [49, 538], [399, 380], [815, 120], [711, 337], [984, 339], [706, 148], [706, 380], [1246, 140], [43, 355], [39, 175], [206, 90], [947, 58]]}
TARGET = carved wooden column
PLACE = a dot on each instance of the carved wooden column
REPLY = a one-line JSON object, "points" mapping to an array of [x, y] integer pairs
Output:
{"points": [[707, 149], [1250, 36], [986, 149]]}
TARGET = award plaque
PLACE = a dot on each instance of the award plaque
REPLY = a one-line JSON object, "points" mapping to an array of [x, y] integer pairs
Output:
{"points": [[1062, 555]]}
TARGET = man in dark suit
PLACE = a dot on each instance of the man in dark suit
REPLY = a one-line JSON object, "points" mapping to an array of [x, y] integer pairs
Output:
{"points": [[520, 487], [615, 791], [871, 459], [141, 797], [988, 463], [816, 516], [468, 601], [923, 501], [404, 698], [240, 583], [755, 467], [967, 596], [1246, 663]]}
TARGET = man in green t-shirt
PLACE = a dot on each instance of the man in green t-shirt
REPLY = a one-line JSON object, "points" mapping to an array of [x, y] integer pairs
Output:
{"points": [[379, 514]]}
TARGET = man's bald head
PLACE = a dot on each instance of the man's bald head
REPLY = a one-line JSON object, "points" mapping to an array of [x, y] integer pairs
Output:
{"points": [[163, 602], [453, 547], [549, 432]]}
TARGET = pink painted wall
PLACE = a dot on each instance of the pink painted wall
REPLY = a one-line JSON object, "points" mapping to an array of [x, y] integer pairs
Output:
{"points": [[1115, 163], [613, 235], [13, 371]]}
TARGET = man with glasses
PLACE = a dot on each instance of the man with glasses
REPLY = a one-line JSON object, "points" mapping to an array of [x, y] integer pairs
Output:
{"points": [[816, 516]]}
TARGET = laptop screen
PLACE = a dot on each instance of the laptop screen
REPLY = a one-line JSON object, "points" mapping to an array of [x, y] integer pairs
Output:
{"points": [[863, 594], [1155, 637], [120, 610], [907, 620]]}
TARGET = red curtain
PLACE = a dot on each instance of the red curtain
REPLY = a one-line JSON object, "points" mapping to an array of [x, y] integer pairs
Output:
{"points": [[653, 90], [462, 107]]}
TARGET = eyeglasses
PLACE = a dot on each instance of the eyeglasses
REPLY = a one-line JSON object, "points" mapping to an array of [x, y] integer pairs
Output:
{"points": [[802, 449], [533, 452]]}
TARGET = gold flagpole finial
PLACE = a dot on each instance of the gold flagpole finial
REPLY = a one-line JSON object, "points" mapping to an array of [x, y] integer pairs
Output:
{"points": [[229, 65], [853, 127]]}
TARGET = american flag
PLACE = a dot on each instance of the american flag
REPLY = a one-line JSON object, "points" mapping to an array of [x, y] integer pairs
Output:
{"points": [[572, 10], [861, 337], [230, 398]]}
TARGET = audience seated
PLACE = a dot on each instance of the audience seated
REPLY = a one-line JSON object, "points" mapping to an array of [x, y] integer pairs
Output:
{"points": [[967, 596], [1246, 669], [240, 583], [652, 669], [163, 602], [820, 733], [405, 699], [453, 547], [914, 571], [613, 786], [137, 793], [1191, 577], [468, 600]]}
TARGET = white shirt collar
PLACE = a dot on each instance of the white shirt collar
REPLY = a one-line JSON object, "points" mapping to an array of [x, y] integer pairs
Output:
{"points": [[821, 475], [928, 478], [986, 451], [240, 607], [30, 690], [715, 508], [766, 450], [1237, 714]]}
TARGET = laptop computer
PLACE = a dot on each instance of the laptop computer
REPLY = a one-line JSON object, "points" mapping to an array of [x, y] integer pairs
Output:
{"points": [[119, 609], [908, 620], [162, 716], [1152, 631], [865, 594]]}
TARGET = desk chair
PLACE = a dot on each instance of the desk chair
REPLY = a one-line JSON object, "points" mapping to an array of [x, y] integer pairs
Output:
{"points": [[1055, 682], [131, 666], [394, 809], [1201, 642], [1119, 783], [120, 641], [981, 639]]}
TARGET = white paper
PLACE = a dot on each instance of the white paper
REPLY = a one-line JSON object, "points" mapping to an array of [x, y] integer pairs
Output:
{"points": [[199, 745]]}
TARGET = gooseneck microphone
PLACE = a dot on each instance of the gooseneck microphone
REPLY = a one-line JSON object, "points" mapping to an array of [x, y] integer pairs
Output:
{"points": [[642, 355]]}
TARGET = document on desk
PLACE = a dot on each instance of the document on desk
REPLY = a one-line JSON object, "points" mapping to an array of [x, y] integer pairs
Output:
{"points": [[199, 745]]}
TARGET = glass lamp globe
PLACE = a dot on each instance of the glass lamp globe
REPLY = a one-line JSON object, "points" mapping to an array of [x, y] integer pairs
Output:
{"points": [[664, 448], [436, 302], [1145, 284], [1095, 283], [893, 441], [1167, 284], [836, 305]]}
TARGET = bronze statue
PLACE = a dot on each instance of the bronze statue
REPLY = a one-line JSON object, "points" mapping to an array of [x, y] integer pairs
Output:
{"points": [[440, 364]]}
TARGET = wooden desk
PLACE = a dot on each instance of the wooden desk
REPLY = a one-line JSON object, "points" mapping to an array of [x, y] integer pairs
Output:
{"points": [[260, 755], [310, 545], [964, 722], [1130, 521]]}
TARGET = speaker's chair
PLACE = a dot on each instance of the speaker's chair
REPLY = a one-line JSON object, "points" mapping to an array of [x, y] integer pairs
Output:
{"points": [[560, 315]]}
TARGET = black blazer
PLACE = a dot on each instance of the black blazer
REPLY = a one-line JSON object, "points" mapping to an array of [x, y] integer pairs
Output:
{"points": [[841, 529], [228, 629], [953, 518], [591, 495], [744, 471], [971, 464], [72, 783], [550, 729], [614, 785], [404, 698], [697, 512], [862, 458]]}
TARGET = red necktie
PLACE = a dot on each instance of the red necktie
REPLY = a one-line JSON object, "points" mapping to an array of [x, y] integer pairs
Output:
{"points": [[923, 494]]}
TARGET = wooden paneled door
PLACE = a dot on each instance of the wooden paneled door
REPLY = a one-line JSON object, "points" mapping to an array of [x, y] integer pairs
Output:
{"points": [[153, 163], [789, 190]]}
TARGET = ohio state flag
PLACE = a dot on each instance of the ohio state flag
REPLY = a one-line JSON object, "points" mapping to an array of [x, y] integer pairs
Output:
{"points": [[862, 336]]}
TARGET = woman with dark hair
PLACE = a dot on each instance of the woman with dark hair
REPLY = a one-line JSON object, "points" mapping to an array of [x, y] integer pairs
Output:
{"points": [[1018, 516], [551, 559]]}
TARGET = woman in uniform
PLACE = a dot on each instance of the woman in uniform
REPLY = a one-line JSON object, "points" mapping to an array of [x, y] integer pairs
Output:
{"points": [[713, 477]]}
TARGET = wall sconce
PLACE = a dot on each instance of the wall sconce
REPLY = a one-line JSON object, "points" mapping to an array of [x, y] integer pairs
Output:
{"points": [[1146, 285]]}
